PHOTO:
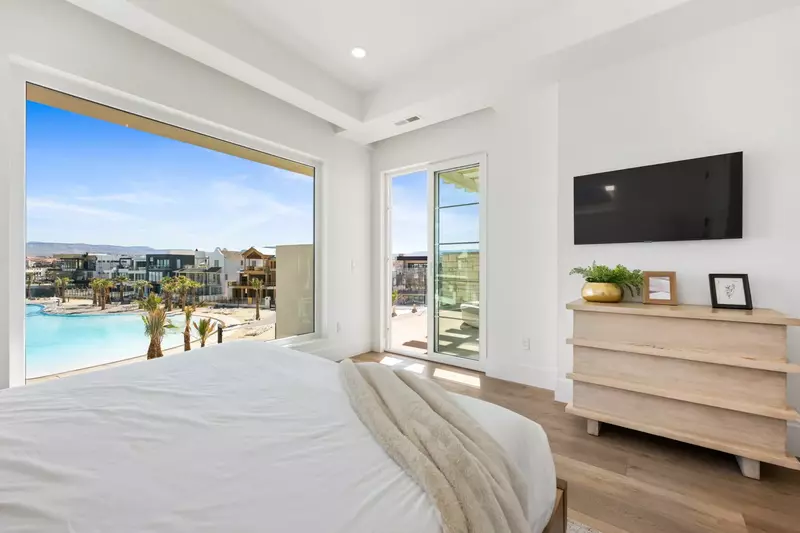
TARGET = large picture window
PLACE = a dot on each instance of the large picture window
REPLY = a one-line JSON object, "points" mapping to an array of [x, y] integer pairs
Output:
{"points": [[128, 217]]}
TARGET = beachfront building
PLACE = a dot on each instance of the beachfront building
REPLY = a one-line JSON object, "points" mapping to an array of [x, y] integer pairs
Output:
{"points": [[38, 274], [167, 264], [106, 265], [207, 277], [231, 262], [256, 263], [410, 278], [79, 267], [138, 269], [110, 266]]}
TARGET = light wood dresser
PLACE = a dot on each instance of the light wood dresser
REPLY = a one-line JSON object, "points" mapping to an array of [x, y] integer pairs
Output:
{"points": [[711, 377]]}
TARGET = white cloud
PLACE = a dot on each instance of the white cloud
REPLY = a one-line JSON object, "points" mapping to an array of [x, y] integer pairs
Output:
{"points": [[137, 198], [46, 207]]}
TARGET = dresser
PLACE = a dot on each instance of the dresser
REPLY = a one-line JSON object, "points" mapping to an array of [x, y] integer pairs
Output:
{"points": [[710, 377]]}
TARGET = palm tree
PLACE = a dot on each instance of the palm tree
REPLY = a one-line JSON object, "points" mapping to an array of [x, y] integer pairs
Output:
{"points": [[194, 285], [168, 287], [108, 285], [121, 281], [156, 324], [95, 285], [182, 286], [205, 329], [57, 287], [65, 281], [257, 286], [104, 288], [187, 331], [140, 286], [29, 276], [150, 303]]}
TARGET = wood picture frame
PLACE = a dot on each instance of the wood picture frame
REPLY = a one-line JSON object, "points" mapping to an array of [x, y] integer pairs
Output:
{"points": [[736, 294], [660, 288]]}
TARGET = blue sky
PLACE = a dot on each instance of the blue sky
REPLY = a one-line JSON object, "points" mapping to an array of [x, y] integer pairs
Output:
{"points": [[458, 223], [97, 182]]}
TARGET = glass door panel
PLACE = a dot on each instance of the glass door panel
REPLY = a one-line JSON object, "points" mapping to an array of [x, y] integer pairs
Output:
{"points": [[407, 331], [456, 262]]}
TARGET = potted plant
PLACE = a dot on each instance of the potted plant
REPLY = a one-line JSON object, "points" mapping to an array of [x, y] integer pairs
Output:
{"points": [[606, 284], [395, 294]]}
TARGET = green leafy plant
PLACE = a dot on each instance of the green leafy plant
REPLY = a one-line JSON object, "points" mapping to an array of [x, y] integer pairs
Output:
{"points": [[187, 331], [619, 275], [205, 329], [156, 323]]}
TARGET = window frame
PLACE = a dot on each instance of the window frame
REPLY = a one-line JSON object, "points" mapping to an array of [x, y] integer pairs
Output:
{"points": [[23, 72]]}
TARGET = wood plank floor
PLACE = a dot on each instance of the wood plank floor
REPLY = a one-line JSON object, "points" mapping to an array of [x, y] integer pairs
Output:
{"points": [[630, 482]]}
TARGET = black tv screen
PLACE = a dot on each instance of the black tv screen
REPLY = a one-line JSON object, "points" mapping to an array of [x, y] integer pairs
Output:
{"points": [[680, 201]]}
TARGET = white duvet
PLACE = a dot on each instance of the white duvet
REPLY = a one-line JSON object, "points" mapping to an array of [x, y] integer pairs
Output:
{"points": [[235, 438]]}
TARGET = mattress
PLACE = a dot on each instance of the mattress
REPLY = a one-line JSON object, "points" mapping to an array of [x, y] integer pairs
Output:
{"points": [[239, 437]]}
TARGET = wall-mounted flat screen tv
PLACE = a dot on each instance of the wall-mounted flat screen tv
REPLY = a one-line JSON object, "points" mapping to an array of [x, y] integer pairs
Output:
{"points": [[681, 201]]}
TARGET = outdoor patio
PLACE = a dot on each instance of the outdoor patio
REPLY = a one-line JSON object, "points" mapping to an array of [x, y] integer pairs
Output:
{"points": [[410, 333]]}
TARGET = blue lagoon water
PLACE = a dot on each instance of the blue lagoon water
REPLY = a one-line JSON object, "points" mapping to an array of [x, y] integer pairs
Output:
{"points": [[58, 343]]}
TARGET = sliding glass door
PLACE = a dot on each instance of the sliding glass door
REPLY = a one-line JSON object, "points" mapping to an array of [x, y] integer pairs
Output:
{"points": [[457, 263], [435, 285]]}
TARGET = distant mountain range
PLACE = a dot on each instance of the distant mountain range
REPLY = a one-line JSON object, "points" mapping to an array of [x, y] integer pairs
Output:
{"points": [[46, 249]]}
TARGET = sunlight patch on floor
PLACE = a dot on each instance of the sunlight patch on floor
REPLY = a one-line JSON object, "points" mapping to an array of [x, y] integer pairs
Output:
{"points": [[417, 368], [472, 381]]}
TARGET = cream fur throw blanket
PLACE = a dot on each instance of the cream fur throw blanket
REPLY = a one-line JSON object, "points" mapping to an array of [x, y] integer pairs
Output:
{"points": [[459, 465]]}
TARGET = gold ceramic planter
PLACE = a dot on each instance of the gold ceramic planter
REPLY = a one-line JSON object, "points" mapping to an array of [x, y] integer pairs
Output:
{"points": [[601, 292]]}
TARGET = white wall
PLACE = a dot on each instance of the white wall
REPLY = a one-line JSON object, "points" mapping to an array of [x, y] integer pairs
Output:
{"points": [[519, 135], [738, 89], [735, 89], [294, 289], [60, 36]]}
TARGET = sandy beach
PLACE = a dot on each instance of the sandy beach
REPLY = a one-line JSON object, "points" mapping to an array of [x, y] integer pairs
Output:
{"points": [[239, 324]]}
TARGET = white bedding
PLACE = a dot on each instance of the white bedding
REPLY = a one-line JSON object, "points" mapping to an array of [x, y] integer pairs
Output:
{"points": [[239, 437]]}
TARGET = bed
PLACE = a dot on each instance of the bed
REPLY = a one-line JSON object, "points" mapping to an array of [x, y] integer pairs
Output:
{"points": [[236, 437]]}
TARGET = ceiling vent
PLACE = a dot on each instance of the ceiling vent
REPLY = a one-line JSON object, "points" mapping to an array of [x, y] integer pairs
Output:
{"points": [[408, 120]]}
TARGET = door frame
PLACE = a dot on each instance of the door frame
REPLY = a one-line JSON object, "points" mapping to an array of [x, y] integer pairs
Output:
{"points": [[385, 258], [450, 164]]}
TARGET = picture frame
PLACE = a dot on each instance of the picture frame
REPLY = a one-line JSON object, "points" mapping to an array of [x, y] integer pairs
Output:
{"points": [[730, 291], [660, 288]]}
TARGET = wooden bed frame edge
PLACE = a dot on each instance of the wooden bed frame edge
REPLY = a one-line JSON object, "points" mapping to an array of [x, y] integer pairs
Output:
{"points": [[558, 520]]}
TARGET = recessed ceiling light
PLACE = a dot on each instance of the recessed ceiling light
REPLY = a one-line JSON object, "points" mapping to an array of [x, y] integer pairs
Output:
{"points": [[358, 53]]}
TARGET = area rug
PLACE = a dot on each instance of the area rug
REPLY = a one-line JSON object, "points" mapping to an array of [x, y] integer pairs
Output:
{"points": [[577, 527]]}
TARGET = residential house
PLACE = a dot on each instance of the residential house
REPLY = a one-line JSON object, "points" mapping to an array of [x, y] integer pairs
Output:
{"points": [[167, 264], [207, 277], [410, 277], [231, 262], [79, 267], [257, 263]]}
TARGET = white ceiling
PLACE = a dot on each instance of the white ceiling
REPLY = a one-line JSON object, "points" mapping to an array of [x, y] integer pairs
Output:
{"points": [[397, 34], [438, 59]]}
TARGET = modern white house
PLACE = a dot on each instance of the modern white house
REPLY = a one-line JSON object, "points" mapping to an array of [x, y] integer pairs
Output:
{"points": [[231, 262]]}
